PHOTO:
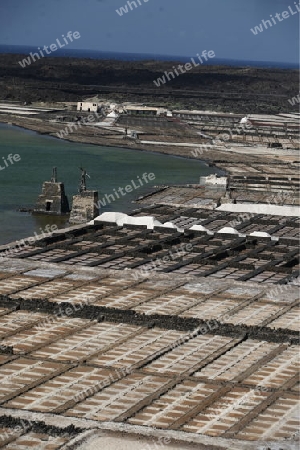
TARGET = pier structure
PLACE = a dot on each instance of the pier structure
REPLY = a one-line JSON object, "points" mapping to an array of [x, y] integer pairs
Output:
{"points": [[84, 204], [52, 200]]}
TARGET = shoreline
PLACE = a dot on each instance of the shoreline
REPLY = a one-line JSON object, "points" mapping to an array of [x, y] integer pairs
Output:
{"points": [[136, 146], [232, 159], [221, 160]]}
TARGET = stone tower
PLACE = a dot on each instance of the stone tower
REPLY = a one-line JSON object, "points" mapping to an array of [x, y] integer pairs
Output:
{"points": [[85, 204], [53, 199]]}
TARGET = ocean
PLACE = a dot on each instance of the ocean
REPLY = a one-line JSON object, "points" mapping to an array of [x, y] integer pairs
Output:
{"points": [[109, 168], [96, 54]]}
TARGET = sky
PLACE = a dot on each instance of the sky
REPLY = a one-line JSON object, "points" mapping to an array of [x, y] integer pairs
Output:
{"points": [[159, 27]]}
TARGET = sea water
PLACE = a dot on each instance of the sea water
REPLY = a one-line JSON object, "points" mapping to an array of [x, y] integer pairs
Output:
{"points": [[109, 168]]}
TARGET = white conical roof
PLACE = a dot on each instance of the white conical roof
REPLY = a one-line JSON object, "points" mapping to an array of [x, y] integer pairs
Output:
{"points": [[172, 225], [201, 228], [228, 230], [260, 234], [123, 219], [110, 217], [149, 221]]}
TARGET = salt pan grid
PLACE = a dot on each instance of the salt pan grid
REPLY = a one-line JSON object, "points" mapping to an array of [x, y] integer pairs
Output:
{"points": [[278, 371], [96, 337], [225, 412], [65, 390], [17, 320], [212, 308], [173, 405], [139, 349], [290, 320], [48, 329], [126, 299], [190, 355], [17, 283], [279, 421], [45, 290], [171, 303], [123, 372], [232, 364], [87, 294], [115, 400], [254, 314], [40, 441], [19, 375], [219, 256]]}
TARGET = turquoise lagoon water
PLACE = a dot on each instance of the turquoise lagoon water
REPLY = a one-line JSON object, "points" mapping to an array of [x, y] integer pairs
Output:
{"points": [[109, 168]]}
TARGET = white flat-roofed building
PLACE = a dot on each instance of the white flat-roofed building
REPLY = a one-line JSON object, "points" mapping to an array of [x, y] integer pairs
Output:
{"points": [[89, 106], [144, 110]]}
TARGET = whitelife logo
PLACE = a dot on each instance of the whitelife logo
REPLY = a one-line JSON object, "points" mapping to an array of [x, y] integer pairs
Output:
{"points": [[109, 198], [148, 268], [267, 23], [71, 127], [292, 101], [11, 159], [124, 9], [184, 68], [53, 48]]}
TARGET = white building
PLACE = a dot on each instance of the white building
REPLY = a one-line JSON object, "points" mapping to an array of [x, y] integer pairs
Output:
{"points": [[144, 110], [88, 106]]}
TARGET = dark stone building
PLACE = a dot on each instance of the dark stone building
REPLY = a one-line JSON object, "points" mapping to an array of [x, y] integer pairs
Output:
{"points": [[53, 199], [85, 204]]}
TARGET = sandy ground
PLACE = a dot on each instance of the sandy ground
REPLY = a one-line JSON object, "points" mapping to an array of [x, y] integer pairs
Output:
{"points": [[100, 440], [131, 443]]}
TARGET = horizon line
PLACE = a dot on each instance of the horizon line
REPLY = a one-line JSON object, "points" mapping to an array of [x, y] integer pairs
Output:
{"points": [[152, 55]]}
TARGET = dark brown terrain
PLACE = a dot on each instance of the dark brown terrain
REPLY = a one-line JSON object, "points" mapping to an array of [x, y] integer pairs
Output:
{"points": [[223, 88]]}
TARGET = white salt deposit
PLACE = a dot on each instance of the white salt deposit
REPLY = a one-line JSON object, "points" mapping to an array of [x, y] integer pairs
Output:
{"points": [[261, 208]]}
